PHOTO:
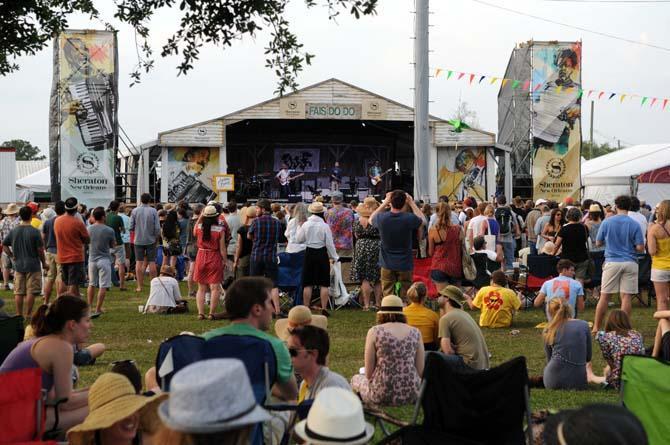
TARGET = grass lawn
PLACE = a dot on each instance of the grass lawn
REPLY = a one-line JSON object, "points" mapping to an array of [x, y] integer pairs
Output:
{"points": [[131, 335]]}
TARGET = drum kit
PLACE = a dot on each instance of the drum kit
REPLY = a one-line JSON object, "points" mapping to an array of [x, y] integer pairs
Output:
{"points": [[257, 186]]}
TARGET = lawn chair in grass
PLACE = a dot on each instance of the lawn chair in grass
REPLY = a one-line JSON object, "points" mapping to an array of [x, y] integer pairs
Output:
{"points": [[23, 404], [468, 406], [11, 334], [540, 268], [289, 279], [176, 353], [645, 385]]}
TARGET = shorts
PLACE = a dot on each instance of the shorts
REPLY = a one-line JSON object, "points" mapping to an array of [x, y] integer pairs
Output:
{"points": [[582, 271], [119, 254], [619, 277], [27, 283], [265, 269], [100, 273], [54, 272], [440, 277], [73, 274], [82, 357], [345, 253], [660, 276], [145, 252], [7, 262]]}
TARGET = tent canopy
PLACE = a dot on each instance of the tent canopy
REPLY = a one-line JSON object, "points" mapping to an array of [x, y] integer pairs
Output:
{"points": [[39, 182]]}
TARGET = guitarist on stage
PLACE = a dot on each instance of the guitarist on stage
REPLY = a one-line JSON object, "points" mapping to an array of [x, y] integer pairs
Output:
{"points": [[285, 178], [335, 177], [375, 174]]}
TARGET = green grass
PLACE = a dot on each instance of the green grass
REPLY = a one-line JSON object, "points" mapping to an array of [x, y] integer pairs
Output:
{"points": [[131, 335]]}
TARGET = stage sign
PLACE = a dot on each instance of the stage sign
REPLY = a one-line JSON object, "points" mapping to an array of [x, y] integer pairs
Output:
{"points": [[191, 173], [83, 124], [556, 120], [333, 111], [297, 159], [461, 173], [224, 183]]}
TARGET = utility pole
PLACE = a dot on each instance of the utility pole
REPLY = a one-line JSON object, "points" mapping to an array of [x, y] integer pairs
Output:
{"points": [[591, 135], [422, 177]]}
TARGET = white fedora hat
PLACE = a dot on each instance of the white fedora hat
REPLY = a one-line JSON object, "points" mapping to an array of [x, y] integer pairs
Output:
{"points": [[211, 396], [336, 418]]}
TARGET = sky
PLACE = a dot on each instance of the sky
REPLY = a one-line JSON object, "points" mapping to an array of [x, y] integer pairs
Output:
{"points": [[376, 53]]}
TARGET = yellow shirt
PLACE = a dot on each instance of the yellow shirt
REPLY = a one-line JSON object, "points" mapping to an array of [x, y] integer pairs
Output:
{"points": [[425, 320], [497, 305], [662, 258], [36, 223]]}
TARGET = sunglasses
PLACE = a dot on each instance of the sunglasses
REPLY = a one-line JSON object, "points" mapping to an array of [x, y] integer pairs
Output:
{"points": [[293, 352]]}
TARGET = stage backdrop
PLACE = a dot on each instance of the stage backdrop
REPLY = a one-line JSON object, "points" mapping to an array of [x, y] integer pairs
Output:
{"points": [[299, 159], [83, 125], [556, 120], [461, 173], [191, 172]]}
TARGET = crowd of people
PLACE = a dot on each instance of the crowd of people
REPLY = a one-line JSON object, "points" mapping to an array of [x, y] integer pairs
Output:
{"points": [[229, 257]]}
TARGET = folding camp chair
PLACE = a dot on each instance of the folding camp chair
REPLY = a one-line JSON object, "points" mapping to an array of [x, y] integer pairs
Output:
{"points": [[289, 278], [176, 353], [23, 406], [598, 259], [458, 401], [540, 268], [644, 380], [11, 334], [644, 278]]}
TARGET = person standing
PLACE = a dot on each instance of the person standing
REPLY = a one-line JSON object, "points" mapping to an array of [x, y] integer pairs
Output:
{"points": [[192, 247], [242, 256], [103, 241], [541, 222], [146, 227], [125, 237], [234, 222], [623, 239], [49, 238], [10, 221], [118, 252], [35, 221], [265, 232], [508, 229], [658, 243], [531, 219], [396, 228], [365, 265], [71, 238], [341, 222], [634, 213], [335, 177], [210, 260], [375, 175], [573, 238], [170, 236], [444, 246], [284, 178], [23, 244]]}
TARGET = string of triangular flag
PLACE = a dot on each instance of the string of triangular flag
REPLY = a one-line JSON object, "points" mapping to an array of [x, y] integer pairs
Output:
{"points": [[526, 85]]}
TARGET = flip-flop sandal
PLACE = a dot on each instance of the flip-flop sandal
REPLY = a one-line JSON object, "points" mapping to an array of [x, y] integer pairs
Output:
{"points": [[201, 317], [210, 317], [138, 290]]}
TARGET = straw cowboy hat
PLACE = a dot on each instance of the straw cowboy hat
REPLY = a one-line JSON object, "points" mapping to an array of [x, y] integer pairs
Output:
{"points": [[391, 304], [211, 396], [209, 212], [299, 316], [594, 208], [12, 209], [548, 248], [316, 207], [336, 417], [110, 399], [454, 294], [368, 206]]}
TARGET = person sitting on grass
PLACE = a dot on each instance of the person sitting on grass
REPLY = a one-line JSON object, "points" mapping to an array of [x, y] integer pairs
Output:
{"points": [[662, 340], [486, 261], [164, 293], [563, 286], [460, 338], [422, 318], [497, 303], [299, 316], [618, 339], [567, 344]]}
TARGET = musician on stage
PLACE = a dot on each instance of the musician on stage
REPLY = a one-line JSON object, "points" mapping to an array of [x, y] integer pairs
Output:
{"points": [[285, 178], [335, 177], [375, 174]]}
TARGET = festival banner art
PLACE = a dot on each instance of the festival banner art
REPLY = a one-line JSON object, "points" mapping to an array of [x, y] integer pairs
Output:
{"points": [[83, 123], [461, 173], [556, 120], [298, 159], [191, 173]]}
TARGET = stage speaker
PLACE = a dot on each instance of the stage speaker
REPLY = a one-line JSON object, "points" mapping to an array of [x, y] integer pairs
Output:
{"points": [[294, 198]]}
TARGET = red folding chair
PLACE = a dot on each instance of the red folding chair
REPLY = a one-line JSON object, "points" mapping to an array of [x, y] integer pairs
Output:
{"points": [[23, 408]]}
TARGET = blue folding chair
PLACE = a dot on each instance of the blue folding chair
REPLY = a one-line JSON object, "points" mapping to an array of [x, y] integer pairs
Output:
{"points": [[289, 274], [176, 353]]}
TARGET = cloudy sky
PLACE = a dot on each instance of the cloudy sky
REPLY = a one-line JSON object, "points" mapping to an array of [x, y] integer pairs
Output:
{"points": [[375, 53]]}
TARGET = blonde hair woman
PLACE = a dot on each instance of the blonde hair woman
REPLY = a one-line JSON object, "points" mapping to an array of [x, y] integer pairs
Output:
{"points": [[444, 246], [567, 344], [421, 317], [658, 245]]}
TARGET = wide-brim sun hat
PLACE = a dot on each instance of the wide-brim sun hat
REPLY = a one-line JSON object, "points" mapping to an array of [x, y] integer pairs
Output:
{"points": [[335, 418], [211, 396], [167, 270], [594, 208], [299, 316], [111, 399], [209, 212], [391, 304], [454, 294], [12, 209], [316, 207]]}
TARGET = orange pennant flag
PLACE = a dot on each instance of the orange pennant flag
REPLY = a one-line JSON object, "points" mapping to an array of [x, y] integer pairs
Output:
{"points": [[601, 94], [472, 77], [437, 72], [504, 82], [665, 102]]}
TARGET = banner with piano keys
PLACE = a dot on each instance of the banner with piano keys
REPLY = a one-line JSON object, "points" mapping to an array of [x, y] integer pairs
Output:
{"points": [[83, 122]]}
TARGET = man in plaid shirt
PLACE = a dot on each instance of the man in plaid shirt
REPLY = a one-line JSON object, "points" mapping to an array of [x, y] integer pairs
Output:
{"points": [[265, 232], [10, 221]]}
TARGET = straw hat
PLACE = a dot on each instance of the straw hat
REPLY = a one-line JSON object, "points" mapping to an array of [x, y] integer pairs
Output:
{"points": [[548, 248], [594, 208], [316, 207], [110, 399], [12, 209], [209, 212], [299, 316], [454, 294], [336, 417], [211, 396], [169, 206], [391, 304], [167, 270]]}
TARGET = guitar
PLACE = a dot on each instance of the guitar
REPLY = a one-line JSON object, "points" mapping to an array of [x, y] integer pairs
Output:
{"points": [[291, 178], [377, 179]]}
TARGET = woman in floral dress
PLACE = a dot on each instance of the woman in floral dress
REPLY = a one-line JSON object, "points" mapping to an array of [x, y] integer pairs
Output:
{"points": [[394, 357], [365, 266]]}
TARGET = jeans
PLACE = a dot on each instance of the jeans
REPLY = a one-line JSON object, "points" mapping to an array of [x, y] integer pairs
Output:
{"points": [[508, 252], [533, 247]]}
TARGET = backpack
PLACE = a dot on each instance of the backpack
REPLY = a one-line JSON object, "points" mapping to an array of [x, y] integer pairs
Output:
{"points": [[504, 217]]}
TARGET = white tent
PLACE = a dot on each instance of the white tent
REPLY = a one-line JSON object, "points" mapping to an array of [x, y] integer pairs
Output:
{"points": [[37, 182], [643, 170]]}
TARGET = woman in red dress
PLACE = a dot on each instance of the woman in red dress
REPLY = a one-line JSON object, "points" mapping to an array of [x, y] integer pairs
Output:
{"points": [[210, 260]]}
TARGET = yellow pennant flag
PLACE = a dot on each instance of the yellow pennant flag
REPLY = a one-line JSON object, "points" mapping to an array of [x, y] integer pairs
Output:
{"points": [[504, 82], [623, 96], [494, 80]]}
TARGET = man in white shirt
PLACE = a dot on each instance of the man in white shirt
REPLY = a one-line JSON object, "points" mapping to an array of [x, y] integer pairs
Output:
{"points": [[284, 177], [634, 213]]}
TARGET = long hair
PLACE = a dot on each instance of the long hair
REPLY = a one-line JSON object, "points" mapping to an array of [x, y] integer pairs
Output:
{"points": [[170, 225], [552, 218], [417, 292], [560, 312], [443, 216], [51, 319], [618, 321], [207, 224], [300, 213], [663, 212]]}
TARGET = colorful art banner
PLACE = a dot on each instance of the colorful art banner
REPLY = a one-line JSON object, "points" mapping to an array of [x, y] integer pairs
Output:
{"points": [[297, 159], [191, 173], [556, 120], [83, 121], [461, 173]]}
